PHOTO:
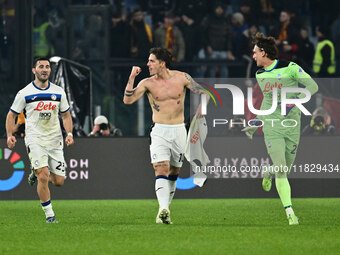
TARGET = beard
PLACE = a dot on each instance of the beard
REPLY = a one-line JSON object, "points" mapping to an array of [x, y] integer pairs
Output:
{"points": [[41, 79]]}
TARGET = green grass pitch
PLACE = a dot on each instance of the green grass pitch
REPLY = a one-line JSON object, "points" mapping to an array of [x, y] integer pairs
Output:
{"points": [[201, 226]]}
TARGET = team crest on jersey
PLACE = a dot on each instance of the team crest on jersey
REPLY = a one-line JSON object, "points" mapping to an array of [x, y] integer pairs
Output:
{"points": [[53, 97], [36, 162], [279, 76], [154, 156]]}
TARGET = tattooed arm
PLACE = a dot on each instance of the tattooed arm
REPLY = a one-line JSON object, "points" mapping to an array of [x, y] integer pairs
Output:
{"points": [[197, 89], [131, 94], [192, 85]]}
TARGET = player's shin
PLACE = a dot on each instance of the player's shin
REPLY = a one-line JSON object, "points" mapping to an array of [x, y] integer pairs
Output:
{"points": [[47, 208], [162, 191], [283, 189], [172, 186]]}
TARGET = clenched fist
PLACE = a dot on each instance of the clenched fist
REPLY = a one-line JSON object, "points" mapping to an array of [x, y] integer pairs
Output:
{"points": [[135, 71]]}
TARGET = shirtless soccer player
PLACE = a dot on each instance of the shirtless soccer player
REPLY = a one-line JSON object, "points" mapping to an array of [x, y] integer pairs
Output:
{"points": [[166, 92]]}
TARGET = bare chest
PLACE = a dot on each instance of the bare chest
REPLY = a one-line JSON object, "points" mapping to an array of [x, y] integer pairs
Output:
{"points": [[164, 91]]}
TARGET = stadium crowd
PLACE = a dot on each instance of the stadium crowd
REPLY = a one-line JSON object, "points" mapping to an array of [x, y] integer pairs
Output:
{"points": [[305, 31]]}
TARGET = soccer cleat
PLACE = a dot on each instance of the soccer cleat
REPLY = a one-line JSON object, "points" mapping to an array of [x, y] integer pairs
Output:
{"points": [[293, 219], [267, 179], [51, 220], [164, 216], [158, 220], [32, 178]]}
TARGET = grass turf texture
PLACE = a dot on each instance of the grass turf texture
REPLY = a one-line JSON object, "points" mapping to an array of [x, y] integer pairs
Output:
{"points": [[201, 226]]}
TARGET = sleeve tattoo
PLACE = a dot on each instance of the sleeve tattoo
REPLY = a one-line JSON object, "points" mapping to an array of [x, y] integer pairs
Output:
{"points": [[194, 86]]}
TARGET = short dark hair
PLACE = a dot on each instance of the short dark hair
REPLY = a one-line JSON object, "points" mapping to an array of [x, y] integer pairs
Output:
{"points": [[266, 44], [162, 55], [40, 59]]}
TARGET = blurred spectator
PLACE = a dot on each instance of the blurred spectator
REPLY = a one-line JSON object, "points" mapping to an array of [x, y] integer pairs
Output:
{"points": [[323, 12], [91, 45], [119, 35], [248, 12], [305, 53], [191, 34], [140, 36], [194, 9], [320, 124], [336, 40], [287, 36], [7, 31], [245, 51], [237, 28], [102, 127], [246, 42], [267, 13], [57, 32], [217, 39], [324, 59], [94, 35], [42, 45], [169, 36]]}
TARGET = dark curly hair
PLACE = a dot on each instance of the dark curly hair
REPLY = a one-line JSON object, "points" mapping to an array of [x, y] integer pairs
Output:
{"points": [[162, 55], [266, 44]]}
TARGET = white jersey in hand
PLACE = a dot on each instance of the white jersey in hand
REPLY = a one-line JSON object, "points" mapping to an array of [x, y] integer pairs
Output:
{"points": [[42, 108]]}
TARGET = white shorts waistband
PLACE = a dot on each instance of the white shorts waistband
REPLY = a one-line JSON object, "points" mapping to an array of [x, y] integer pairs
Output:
{"points": [[169, 126]]}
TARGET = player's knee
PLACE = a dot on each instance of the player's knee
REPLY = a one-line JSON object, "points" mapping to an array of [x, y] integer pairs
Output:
{"points": [[174, 170], [162, 168], [42, 175], [43, 178], [57, 180], [59, 183]]}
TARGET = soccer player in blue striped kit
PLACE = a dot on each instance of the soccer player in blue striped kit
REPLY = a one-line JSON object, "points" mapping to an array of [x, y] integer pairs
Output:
{"points": [[42, 101]]}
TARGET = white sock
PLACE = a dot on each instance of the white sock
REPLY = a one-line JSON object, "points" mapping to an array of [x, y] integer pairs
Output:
{"points": [[47, 208], [172, 186], [289, 210], [162, 191]]}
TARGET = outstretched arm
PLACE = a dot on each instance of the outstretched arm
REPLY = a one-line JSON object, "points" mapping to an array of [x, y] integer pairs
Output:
{"points": [[131, 94]]}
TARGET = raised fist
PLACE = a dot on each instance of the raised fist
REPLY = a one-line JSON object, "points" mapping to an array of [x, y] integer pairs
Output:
{"points": [[135, 71]]}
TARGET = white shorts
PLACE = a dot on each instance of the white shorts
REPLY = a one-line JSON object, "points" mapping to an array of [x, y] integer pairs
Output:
{"points": [[168, 143], [41, 157]]}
